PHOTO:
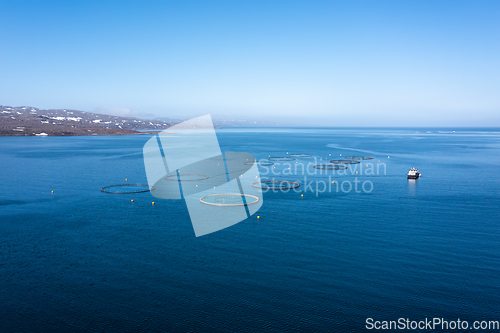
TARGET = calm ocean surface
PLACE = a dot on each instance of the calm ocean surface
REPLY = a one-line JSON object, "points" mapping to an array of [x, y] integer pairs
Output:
{"points": [[80, 260]]}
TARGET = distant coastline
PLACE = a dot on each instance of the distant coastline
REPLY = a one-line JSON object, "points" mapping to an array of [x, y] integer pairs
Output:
{"points": [[30, 121]]}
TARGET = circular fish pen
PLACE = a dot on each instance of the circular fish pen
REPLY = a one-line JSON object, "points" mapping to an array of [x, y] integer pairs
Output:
{"points": [[344, 162], [330, 167], [260, 163], [108, 189], [300, 155], [281, 159], [186, 177], [358, 158], [276, 184], [229, 199]]}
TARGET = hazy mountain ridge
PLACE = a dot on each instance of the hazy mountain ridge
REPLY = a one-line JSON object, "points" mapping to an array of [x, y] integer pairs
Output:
{"points": [[30, 121]]}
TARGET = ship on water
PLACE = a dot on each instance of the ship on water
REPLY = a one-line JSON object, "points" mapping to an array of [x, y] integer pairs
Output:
{"points": [[413, 174]]}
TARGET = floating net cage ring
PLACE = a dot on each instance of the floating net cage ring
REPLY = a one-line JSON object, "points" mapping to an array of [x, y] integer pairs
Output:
{"points": [[358, 158], [105, 189], [344, 162], [229, 199], [195, 177], [282, 159], [276, 184], [330, 167], [300, 155], [260, 163]]}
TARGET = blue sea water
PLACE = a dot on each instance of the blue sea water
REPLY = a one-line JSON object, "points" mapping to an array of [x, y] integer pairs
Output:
{"points": [[79, 260]]}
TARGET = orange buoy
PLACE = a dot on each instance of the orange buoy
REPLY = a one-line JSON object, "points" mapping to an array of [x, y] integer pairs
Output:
{"points": [[132, 200], [52, 191], [153, 203], [126, 179], [301, 195], [258, 217]]}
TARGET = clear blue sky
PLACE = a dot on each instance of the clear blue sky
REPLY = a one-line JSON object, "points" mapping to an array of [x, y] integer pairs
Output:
{"points": [[329, 63]]}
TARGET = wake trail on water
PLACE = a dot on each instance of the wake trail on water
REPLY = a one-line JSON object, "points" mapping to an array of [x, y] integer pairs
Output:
{"points": [[332, 145], [371, 152]]}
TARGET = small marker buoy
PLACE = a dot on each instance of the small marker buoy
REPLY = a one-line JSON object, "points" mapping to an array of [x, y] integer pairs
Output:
{"points": [[52, 191], [333, 182], [126, 179], [132, 200], [258, 217], [356, 172], [153, 203], [379, 161], [301, 195]]}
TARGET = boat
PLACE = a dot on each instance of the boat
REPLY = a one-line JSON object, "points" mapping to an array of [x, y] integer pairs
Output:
{"points": [[413, 174]]}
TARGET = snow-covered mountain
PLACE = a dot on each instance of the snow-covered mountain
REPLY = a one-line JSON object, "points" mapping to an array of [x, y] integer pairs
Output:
{"points": [[27, 120]]}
